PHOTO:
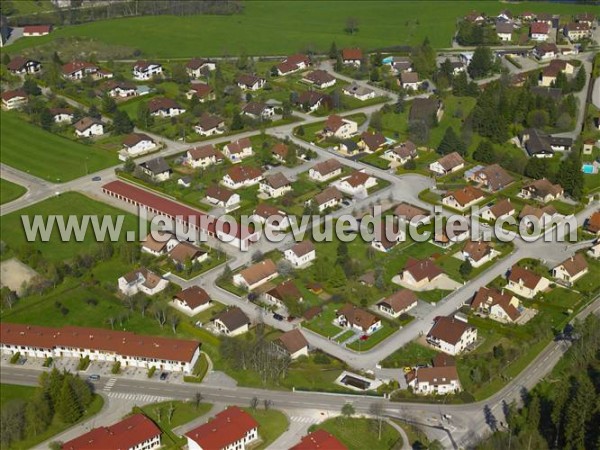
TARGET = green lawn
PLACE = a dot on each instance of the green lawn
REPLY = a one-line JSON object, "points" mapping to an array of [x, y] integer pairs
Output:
{"points": [[10, 191], [46, 155], [380, 24], [14, 391], [380, 335], [68, 203], [271, 424], [410, 355], [355, 432]]}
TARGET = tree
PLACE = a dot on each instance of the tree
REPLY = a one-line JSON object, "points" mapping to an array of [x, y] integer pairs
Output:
{"points": [[348, 410], [198, 397], [93, 112], [144, 117], [374, 75], [537, 168], [67, 406], [31, 88], [376, 121], [418, 131], [485, 152], [129, 165], [579, 81], [291, 158], [481, 63], [109, 105], [351, 25], [465, 269], [38, 414], [179, 74], [333, 51], [174, 320], [400, 105], [451, 143], [253, 403], [300, 130], [122, 124], [376, 410], [46, 119], [170, 411], [5, 59], [237, 122]]}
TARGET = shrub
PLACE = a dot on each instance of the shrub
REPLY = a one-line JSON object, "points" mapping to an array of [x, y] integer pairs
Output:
{"points": [[48, 361], [83, 363], [151, 371], [116, 368], [15, 358]]}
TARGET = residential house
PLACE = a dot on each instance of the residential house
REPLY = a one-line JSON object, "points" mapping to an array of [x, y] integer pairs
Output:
{"points": [[62, 115], [429, 110], [238, 150], [410, 81], [310, 101], [401, 153], [400, 302], [242, 176], [338, 127], [158, 243], [301, 254], [21, 66], [256, 275], [280, 152], [258, 110], [594, 250], [192, 300], [284, 292], [504, 31], [120, 89], [348, 146], [571, 270], [505, 16], [293, 344], [275, 185], [197, 67], [320, 79], [372, 142], [353, 317], [458, 234], [222, 197], [135, 432], [361, 93], [499, 210], [478, 253], [399, 64], [407, 212], [546, 51], [586, 17], [231, 429], [141, 280], [146, 70], [232, 322], [204, 156], [137, 144], [293, 63], [186, 181], [449, 163], [493, 177], [165, 107], [551, 71], [329, 198], [271, 216], [528, 16], [157, 169], [418, 273], [352, 56], [325, 170], [14, 99], [88, 127], [497, 305], [202, 91], [542, 191], [526, 283], [531, 215], [209, 125], [184, 254], [464, 198], [436, 380], [249, 82], [387, 236], [451, 335], [475, 17], [357, 183], [576, 31], [36, 30], [539, 31], [76, 70], [541, 145], [592, 224]]}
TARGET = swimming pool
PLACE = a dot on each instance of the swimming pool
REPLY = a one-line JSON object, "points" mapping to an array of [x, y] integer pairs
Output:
{"points": [[589, 169], [387, 60]]}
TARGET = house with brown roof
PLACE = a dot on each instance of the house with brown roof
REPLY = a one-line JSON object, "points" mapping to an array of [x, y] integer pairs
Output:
{"points": [[164, 107], [504, 31], [351, 316], [292, 343], [14, 99], [88, 127], [464, 198], [202, 91], [256, 275], [192, 300], [546, 51], [275, 185], [576, 31], [120, 89], [238, 150], [478, 253], [526, 283], [319, 440], [325, 170], [271, 216], [475, 17], [451, 335], [571, 269], [21, 66], [497, 305], [203, 156], [280, 152], [258, 110], [310, 101], [249, 82], [539, 31], [542, 191], [401, 153], [436, 380], [387, 236], [301, 254], [135, 144], [320, 79], [418, 273], [157, 169], [352, 56], [409, 81], [199, 67], [407, 212], [592, 224], [372, 142], [141, 280], [428, 110], [185, 253], [339, 127], [293, 63], [331, 197], [241, 176], [358, 91], [158, 243], [400, 302], [449, 163], [232, 322], [209, 125], [500, 210], [76, 70], [532, 216], [357, 183], [232, 429], [550, 72], [222, 197], [146, 70], [62, 115], [492, 178], [594, 250], [283, 294]]}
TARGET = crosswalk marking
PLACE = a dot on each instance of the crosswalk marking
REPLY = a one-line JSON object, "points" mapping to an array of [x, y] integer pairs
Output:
{"points": [[137, 397], [304, 419], [109, 384]]}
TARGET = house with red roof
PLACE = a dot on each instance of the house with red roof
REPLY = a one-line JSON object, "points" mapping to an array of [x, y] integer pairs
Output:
{"points": [[526, 283], [418, 273], [293, 63], [462, 199], [339, 127], [202, 91], [14, 99], [231, 429], [36, 30], [352, 56], [353, 317], [192, 300], [319, 440], [135, 432], [256, 275], [20, 66], [451, 335], [141, 280], [222, 197], [539, 31], [497, 305], [77, 70], [238, 177], [238, 150], [136, 144], [571, 269]]}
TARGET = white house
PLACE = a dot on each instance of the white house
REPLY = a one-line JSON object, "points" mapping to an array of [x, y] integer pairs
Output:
{"points": [[88, 127], [336, 126], [400, 302], [410, 81], [62, 115], [451, 335], [419, 273], [14, 99], [329, 198], [209, 125], [192, 300], [352, 56], [199, 67], [539, 31], [238, 177], [158, 243], [542, 190], [434, 380], [284, 292], [350, 316], [402, 153], [293, 344], [185, 253], [293, 63], [301, 254], [222, 197], [478, 253], [526, 283], [141, 280], [357, 183], [21, 66], [321, 79], [204, 156], [499, 210], [232, 429], [145, 70], [238, 150], [361, 93], [275, 185], [571, 270], [271, 216], [462, 199], [258, 110], [497, 305], [387, 236], [120, 89], [256, 275], [594, 250], [156, 169], [449, 163], [250, 82], [137, 144], [325, 170], [232, 322], [164, 107]]}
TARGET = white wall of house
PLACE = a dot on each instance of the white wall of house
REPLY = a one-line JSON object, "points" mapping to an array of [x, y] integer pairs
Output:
{"points": [[524, 291], [468, 337], [221, 328], [317, 176], [95, 130], [301, 261], [249, 438], [141, 147]]}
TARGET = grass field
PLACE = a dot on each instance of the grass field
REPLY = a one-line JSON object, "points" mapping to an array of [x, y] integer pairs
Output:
{"points": [[10, 392], [271, 424], [46, 155], [10, 191], [380, 24], [354, 433]]}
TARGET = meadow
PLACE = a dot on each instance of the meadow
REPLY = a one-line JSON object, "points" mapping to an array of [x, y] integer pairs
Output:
{"points": [[279, 28], [10, 191], [46, 155]]}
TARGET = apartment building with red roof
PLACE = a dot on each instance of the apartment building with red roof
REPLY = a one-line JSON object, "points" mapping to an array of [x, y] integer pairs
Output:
{"points": [[231, 429]]}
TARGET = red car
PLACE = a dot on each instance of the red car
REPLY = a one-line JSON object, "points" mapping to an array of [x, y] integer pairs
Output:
{"points": [[364, 337]]}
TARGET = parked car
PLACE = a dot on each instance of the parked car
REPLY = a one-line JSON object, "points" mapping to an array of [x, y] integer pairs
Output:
{"points": [[164, 375], [97, 179], [364, 337], [94, 377], [277, 316]]}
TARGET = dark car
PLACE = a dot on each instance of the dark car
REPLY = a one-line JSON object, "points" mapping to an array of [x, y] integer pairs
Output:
{"points": [[97, 179], [94, 377], [164, 375], [277, 316]]}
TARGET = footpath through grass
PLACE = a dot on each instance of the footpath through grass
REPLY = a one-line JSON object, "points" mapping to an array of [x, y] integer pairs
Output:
{"points": [[10, 191], [46, 155]]}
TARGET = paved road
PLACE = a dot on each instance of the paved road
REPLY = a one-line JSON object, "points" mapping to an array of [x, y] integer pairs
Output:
{"points": [[596, 93]]}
